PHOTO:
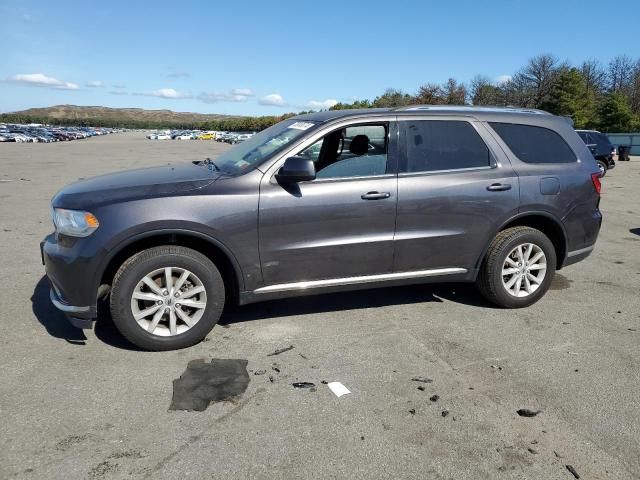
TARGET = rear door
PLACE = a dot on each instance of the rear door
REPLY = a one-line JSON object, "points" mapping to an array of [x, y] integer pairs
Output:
{"points": [[454, 188]]}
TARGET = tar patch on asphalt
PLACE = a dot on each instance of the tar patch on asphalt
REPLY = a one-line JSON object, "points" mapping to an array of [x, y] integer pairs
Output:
{"points": [[560, 282], [204, 383]]}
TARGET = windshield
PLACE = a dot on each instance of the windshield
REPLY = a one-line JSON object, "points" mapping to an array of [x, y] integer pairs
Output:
{"points": [[260, 146]]}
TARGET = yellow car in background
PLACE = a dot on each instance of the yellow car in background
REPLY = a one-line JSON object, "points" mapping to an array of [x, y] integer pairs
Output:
{"points": [[206, 136]]}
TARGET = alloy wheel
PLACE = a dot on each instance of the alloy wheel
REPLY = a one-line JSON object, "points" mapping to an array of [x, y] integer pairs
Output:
{"points": [[524, 270], [168, 301]]}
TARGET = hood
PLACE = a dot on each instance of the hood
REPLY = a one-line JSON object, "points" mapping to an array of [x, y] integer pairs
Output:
{"points": [[133, 185]]}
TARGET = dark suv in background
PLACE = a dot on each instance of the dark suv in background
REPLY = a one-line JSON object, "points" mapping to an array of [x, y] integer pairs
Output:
{"points": [[601, 148], [325, 202]]}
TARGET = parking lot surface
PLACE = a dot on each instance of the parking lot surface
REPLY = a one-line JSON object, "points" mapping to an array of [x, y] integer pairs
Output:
{"points": [[77, 404]]}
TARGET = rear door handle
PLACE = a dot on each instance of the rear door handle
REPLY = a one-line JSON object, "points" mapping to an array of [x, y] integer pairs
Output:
{"points": [[375, 195], [499, 187]]}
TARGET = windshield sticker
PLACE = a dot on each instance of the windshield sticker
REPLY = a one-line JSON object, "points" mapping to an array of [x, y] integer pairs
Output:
{"points": [[301, 125]]}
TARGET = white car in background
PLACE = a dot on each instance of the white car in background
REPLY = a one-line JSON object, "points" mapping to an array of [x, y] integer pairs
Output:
{"points": [[241, 137], [163, 136], [184, 136]]}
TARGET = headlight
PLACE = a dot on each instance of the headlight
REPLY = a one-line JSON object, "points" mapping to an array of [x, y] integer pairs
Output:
{"points": [[74, 223]]}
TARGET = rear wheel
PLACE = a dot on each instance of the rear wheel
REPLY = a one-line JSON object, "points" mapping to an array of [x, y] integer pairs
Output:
{"points": [[166, 298], [518, 268], [603, 168]]}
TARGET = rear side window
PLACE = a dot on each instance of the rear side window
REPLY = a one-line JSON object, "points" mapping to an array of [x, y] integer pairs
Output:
{"points": [[433, 145], [534, 144], [602, 141]]}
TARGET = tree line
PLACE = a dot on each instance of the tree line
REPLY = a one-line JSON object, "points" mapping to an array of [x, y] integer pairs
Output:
{"points": [[594, 95], [234, 124]]}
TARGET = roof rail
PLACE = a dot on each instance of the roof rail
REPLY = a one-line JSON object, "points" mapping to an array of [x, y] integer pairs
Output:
{"points": [[469, 108]]}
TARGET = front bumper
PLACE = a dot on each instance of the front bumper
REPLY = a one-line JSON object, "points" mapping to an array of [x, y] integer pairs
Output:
{"points": [[70, 269], [71, 311]]}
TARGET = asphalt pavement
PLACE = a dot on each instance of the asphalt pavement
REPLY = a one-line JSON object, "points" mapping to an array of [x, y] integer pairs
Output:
{"points": [[86, 404]]}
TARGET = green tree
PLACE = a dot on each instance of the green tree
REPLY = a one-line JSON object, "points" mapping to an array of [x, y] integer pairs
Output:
{"points": [[393, 98], [615, 114], [569, 97], [454, 93]]}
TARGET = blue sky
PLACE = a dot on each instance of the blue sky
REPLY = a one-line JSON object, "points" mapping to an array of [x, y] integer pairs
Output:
{"points": [[267, 57]]}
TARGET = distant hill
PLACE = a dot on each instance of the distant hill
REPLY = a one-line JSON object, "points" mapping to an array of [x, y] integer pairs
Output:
{"points": [[139, 118], [124, 115]]}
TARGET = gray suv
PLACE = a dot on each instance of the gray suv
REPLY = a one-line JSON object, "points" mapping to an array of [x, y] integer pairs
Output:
{"points": [[326, 202]]}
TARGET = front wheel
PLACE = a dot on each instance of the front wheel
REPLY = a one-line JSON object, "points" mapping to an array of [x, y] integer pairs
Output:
{"points": [[518, 268], [166, 298]]}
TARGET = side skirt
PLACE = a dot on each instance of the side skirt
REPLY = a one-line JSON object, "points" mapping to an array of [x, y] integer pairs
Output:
{"points": [[316, 287]]}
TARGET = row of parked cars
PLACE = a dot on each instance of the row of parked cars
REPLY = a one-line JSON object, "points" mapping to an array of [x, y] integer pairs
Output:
{"points": [[34, 133], [227, 137]]}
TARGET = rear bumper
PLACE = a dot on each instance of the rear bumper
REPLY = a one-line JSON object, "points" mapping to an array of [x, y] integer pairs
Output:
{"points": [[578, 255]]}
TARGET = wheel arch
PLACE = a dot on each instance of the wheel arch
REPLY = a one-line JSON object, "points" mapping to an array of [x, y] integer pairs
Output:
{"points": [[213, 249], [547, 223]]}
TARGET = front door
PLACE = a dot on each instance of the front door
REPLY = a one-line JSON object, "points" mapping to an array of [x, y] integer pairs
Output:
{"points": [[342, 223]]}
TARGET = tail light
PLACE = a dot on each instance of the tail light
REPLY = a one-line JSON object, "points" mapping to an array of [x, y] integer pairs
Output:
{"points": [[595, 178]]}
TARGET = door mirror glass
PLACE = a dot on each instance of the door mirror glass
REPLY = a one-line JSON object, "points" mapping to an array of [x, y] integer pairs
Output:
{"points": [[296, 169]]}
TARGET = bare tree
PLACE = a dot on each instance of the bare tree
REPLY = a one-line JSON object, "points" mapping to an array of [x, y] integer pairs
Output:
{"points": [[530, 86], [634, 92], [620, 74], [484, 92], [430, 94], [595, 76]]}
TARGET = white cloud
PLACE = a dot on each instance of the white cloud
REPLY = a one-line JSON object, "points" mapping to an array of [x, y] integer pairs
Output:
{"points": [[119, 85], [41, 80], [118, 92], [503, 79], [321, 105], [245, 92], [235, 95], [95, 84], [178, 75], [166, 93], [273, 99]]}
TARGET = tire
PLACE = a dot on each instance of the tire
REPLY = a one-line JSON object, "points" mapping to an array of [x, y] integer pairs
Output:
{"points": [[603, 167], [492, 282], [167, 334]]}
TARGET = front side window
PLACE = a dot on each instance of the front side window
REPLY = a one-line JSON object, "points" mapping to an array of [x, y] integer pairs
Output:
{"points": [[356, 151], [433, 145], [533, 144]]}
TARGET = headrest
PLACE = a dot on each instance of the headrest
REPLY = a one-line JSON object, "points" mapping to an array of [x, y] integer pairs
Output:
{"points": [[359, 145]]}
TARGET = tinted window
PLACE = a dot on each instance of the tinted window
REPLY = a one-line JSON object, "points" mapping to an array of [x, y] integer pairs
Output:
{"points": [[433, 145], [603, 143], [534, 144]]}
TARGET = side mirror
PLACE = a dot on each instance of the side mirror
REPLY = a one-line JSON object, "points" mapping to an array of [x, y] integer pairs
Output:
{"points": [[296, 169]]}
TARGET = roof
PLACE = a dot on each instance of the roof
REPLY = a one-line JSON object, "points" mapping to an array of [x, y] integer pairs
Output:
{"points": [[478, 112]]}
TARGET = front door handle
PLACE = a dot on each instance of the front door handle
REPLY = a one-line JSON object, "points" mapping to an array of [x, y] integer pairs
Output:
{"points": [[375, 195], [499, 187]]}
